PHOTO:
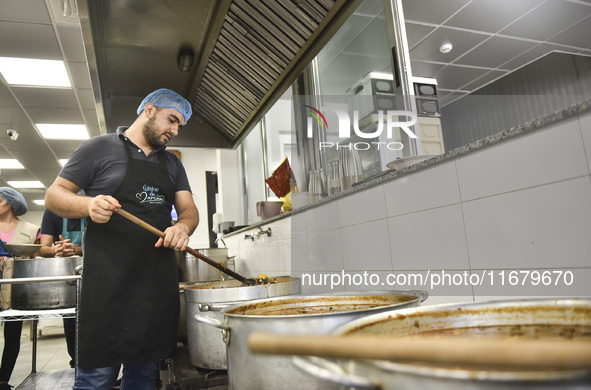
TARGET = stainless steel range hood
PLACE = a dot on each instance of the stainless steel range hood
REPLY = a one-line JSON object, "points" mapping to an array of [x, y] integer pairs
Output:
{"points": [[247, 53]]}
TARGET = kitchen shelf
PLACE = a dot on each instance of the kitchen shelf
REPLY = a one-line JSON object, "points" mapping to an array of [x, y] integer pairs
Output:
{"points": [[36, 315], [25, 315]]}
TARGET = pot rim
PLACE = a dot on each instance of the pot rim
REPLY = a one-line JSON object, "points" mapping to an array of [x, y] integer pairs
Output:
{"points": [[286, 285], [418, 297], [441, 372]]}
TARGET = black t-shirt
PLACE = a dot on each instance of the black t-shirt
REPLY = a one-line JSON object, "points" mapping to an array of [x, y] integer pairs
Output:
{"points": [[99, 164], [53, 224]]}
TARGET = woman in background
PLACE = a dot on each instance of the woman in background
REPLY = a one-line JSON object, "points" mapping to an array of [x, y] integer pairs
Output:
{"points": [[12, 231]]}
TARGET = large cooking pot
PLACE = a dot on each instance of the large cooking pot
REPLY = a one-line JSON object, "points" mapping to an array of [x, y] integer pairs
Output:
{"points": [[206, 300], [513, 318], [182, 330], [44, 295], [192, 269], [303, 314]]}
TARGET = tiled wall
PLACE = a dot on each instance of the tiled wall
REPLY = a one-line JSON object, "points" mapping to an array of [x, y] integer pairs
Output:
{"points": [[524, 204]]}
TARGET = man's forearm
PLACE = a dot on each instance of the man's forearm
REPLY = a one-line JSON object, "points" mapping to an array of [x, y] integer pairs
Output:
{"points": [[189, 218], [65, 202]]}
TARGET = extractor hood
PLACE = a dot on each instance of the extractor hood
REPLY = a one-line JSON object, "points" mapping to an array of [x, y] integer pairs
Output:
{"points": [[246, 54]]}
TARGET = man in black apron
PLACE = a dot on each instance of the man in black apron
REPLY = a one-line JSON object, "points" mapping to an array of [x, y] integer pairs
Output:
{"points": [[129, 306]]}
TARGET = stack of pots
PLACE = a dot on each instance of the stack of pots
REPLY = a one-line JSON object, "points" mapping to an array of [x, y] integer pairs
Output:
{"points": [[292, 315], [207, 348]]}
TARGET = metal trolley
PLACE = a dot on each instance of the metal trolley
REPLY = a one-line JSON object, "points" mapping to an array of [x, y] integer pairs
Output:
{"points": [[35, 315]]}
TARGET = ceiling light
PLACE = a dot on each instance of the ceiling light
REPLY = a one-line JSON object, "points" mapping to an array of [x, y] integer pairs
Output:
{"points": [[445, 48], [25, 184], [40, 202], [33, 72], [63, 161], [10, 163], [68, 132]]}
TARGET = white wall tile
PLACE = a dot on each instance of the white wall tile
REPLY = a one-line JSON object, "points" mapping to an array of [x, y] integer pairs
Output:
{"points": [[364, 206], [324, 251], [298, 254], [273, 255], [323, 218], [286, 245], [250, 261], [434, 187], [298, 226], [585, 122], [548, 155], [432, 239], [285, 226], [366, 246], [540, 227]]}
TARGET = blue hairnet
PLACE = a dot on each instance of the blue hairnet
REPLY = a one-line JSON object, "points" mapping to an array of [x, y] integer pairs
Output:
{"points": [[165, 98], [15, 199]]}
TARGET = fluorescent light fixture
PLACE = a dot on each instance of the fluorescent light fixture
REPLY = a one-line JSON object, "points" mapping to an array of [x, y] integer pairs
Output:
{"points": [[25, 184], [40, 202], [63, 161], [57, 131], [10, 163], [34, 72]]}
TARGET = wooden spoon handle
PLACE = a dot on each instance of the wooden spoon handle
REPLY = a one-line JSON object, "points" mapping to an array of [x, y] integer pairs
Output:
{"points": [[457, 351]]}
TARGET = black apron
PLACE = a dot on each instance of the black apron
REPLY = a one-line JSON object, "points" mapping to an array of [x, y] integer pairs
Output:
{"points": [[129, 308]]}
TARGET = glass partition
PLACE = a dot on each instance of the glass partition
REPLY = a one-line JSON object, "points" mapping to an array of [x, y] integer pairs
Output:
{"points": [[348, 97]]}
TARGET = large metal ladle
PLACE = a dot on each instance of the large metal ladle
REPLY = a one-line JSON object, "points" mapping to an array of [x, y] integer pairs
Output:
{"points": [[213, 263]]}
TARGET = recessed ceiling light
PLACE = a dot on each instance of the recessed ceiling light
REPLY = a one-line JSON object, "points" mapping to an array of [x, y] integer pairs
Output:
{"points": [[25, 184], [40, 202], [56, 131], [10, 163], [63, 161], [34, 72]]}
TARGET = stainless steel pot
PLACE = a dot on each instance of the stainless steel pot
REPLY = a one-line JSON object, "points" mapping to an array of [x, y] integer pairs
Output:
{"points": [[377, 374], [207, 348], [192, 269], [44, 295], [304, 314], [182, 331]]}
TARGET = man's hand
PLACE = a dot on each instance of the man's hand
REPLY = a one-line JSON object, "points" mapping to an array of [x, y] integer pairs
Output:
{"points": [[176, 237], [101, 207]]}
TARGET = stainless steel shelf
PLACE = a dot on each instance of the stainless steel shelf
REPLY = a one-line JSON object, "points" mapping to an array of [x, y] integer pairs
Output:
{"points": [[25, 315], [36, 315]]}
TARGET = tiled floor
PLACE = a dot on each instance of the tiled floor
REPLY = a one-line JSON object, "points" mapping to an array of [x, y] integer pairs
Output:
{"points": [[52, 353]]}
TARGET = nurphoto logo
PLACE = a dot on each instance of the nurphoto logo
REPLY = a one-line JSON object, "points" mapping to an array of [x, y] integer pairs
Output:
{"points": [[388, 120]]}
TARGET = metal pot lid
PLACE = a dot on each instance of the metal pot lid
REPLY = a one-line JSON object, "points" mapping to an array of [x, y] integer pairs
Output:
{"points": [[234, 291], [326, 305]]}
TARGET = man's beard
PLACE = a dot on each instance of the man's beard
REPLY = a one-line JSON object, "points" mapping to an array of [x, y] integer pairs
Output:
{"points": [[152, 133]]}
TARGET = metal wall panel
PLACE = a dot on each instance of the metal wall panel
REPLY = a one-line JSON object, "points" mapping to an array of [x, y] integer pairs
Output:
{"points": [[551, 83]]}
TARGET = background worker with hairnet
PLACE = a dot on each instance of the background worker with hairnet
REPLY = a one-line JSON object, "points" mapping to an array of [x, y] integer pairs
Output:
{"points": [[129, 306], [13, 230]]}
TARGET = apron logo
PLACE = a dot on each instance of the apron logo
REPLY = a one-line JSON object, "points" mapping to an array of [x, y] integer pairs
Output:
{"points": [[150, 195]]}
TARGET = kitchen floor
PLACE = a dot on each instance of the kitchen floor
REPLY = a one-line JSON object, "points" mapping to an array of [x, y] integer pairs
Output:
{"points": [[52, 353]]}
